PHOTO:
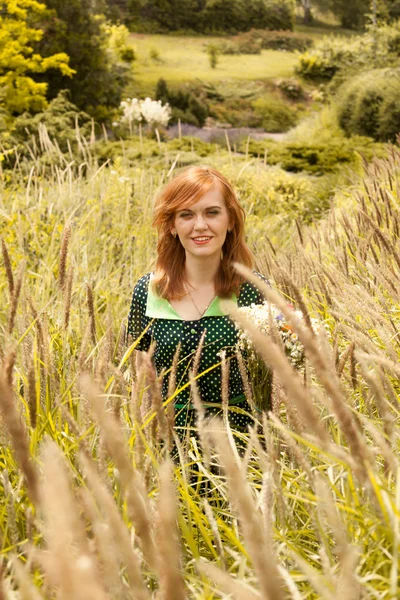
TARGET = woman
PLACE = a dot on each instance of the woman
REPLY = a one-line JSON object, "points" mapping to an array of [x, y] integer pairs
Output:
{"points": [[200, 228]]}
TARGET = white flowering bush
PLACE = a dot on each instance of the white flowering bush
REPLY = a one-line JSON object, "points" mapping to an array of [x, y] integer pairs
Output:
{"points": [[263, 316], [150, 111]]}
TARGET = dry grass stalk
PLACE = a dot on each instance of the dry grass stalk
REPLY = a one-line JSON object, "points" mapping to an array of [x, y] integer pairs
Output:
{"points": [[15, 297], [390, 458], [342, 361], [68, 563], [32, 397], [19, 438], [8, 268], [90, 305], [110, 335], [200, 419], [319, 582], [169, 409], [224, 386], [8, 366], [234, 588], [26, 589], [347, 584], [39, 328], [259, 546], [300, 302], [267, 502], [136, 416], [122, 539], [246, 383], [136, 498], [172, 585], [197, 356], [353, 365], [299, 456], [157, 406], [105, 550], [214, 528], [9, 498], [68, 296], [82, 353], [63, 255]]}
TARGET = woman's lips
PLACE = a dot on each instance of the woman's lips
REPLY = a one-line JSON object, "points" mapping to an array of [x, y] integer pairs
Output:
{"points": [[201, 240]]}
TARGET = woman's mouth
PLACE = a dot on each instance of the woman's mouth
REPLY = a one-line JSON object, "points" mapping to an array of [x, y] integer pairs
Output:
{"points": [[201, 240]]}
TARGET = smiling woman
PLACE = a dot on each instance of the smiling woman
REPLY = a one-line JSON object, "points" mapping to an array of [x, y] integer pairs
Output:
{"points": [[200, 228]]}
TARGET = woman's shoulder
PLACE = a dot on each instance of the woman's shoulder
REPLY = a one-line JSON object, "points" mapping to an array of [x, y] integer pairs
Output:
{"points": [[249, 293], [141, 287]]}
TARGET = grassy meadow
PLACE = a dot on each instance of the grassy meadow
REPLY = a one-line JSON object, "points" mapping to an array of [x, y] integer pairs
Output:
{"points": [[185, 59], [91, 507]]}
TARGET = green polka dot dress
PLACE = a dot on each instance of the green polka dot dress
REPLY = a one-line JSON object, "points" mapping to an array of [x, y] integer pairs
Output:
{"points": [[163, 325]]}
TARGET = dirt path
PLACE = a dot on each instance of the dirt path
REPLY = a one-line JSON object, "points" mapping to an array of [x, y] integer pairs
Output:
{"points": [[218, 134]]}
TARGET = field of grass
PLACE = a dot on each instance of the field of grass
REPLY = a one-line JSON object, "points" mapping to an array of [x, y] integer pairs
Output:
{"points": [[90, 505], [184, 59]]}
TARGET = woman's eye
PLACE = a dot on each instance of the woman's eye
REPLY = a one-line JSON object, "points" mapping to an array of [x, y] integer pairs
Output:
{"points": [[213, 212], [184, 215]]}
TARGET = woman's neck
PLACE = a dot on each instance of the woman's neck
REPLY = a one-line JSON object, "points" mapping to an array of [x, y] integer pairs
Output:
{"points": [[201, 272]]}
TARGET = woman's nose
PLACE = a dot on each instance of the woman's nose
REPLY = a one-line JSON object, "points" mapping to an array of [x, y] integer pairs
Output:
{"points": [[200, 223]]}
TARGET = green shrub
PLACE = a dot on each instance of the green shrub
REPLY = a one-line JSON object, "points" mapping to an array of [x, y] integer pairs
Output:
{"points": [[236, 111], [275, 116], [332, 55], [255, 40], [316, 158], [213, 54], [188, 105], [60, 119], [369, 104], [291, 88]]}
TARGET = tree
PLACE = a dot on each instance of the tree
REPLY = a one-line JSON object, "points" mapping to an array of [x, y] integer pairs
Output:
{"points": [[100, 78], [18, 60]]}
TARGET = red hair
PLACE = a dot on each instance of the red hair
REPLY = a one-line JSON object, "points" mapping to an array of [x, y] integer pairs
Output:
{"points": [[182, 191]]}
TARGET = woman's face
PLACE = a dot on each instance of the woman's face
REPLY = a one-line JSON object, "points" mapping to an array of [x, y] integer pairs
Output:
{"points": [[202, 227]]}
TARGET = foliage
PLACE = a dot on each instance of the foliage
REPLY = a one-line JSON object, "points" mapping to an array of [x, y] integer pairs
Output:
{"points": [[117, 42], [187, 105], [291, 88], [335, 55], [210, 16], [255, 40], [238, 112], [369, 105], [315, 157], [213, 54], [19, 62], [275, 115], [60, 120], [98, 53]]}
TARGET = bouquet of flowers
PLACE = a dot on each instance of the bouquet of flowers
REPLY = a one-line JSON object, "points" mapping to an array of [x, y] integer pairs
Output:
{"points": [[264, 316]]}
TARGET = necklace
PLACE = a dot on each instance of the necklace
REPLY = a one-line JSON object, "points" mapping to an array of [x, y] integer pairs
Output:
{"points": [[197, 308]]}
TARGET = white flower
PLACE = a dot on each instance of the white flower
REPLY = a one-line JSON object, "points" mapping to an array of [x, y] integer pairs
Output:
{"points": [[131, 111], [154, 112], [261, 315]]}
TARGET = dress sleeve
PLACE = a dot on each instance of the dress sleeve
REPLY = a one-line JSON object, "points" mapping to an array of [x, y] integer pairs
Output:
{"points": [[250, 294], [137, 320]]}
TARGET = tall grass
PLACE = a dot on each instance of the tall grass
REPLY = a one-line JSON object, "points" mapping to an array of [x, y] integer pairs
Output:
{"points": [[92, 506]]}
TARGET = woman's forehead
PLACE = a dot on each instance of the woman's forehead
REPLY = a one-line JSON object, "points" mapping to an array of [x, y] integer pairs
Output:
{"points": [[213, 197]]}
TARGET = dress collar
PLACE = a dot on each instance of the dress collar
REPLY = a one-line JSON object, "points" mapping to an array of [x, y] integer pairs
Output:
{"points": [[160, 308]]}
